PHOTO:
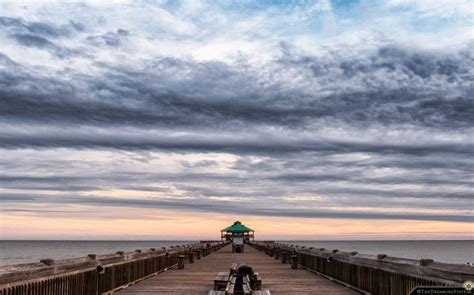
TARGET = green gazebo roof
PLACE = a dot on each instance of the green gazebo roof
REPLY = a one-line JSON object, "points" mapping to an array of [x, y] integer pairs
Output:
{"points": [[237, 227]]}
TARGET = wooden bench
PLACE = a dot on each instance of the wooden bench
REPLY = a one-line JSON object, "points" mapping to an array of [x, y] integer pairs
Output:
{"points": [[225, 283], [246, 288], [261, 292], [257, 281], [233, 268], [230, 288], [220, 281]]}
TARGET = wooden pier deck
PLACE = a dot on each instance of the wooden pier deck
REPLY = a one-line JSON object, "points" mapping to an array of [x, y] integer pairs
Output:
{"points": [[198, 278]]}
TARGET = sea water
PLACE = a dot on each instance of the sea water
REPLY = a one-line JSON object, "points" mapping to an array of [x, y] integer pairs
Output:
{"points": [[16, 252]]}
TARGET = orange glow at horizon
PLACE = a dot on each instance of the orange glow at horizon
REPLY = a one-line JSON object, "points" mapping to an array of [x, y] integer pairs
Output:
{"points": [[166, 224]]}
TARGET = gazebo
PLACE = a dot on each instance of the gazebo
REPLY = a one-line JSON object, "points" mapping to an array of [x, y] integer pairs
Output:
{"points": [[238, 234]]}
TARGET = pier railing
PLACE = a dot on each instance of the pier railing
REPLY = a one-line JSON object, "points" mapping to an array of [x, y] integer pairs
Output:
{"points": [[373, 274], [96, 275]]}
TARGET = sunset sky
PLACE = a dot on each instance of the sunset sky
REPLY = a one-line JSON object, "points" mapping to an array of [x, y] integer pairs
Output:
{"points": [[172, 119]]}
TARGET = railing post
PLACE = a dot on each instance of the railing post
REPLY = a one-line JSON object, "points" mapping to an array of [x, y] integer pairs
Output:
{"points": [[47, 261], [283, 257], [92, 256], [294, 261], [198, 254], [425, 262], [191, 257], [180, 261]]}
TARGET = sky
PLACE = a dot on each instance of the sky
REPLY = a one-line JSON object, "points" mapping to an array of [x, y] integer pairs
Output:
{"points": [[172, 119]]}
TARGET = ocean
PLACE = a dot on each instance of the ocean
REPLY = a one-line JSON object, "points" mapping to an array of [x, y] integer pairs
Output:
{"points": [[17, 252]]}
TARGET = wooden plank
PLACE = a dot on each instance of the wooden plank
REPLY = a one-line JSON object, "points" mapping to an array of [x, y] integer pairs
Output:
{"points": [[198, 278]]}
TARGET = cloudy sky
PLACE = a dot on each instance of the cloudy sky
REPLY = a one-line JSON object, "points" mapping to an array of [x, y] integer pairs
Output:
{"points": [[312, 119]]}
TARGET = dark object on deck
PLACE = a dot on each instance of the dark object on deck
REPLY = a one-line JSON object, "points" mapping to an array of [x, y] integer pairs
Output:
{"points": [[237, 248], [239, 280], [100, 269]]}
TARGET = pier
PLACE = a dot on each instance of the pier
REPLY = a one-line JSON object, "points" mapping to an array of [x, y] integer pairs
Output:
{"points": [[191, 269], [198, 278], [235, 265]]}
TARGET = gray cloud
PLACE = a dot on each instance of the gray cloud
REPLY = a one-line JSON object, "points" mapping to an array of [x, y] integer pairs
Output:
{"points": [[202, 163], [48, 30], [32, 40], [390, 87], [385, 128], [113, 39], [234, 208], [258, 143], [38, 35]]}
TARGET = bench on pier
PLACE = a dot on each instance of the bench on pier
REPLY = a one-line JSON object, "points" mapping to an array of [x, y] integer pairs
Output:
{"points": [[259, 292], [231, 289], [220, 281], [241, 280]]}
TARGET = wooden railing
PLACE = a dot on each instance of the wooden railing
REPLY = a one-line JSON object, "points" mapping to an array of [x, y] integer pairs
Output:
{"points": [[373, 274], [96, 275]]}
